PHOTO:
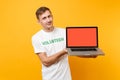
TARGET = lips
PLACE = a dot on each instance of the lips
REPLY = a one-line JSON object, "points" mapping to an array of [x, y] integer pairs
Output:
{"points": [[49, 23]]}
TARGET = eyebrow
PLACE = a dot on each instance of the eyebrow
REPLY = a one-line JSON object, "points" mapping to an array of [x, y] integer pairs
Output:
{"points": [[47, 16]]}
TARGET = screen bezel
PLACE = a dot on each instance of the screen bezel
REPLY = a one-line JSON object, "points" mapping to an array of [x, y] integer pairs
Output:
{"points": [[82, 46]]}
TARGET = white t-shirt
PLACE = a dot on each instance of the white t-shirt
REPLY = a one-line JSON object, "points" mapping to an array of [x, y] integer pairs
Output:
{"points": [[51, 43]]}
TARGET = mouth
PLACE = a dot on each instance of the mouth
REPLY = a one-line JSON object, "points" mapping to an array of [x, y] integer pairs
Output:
{"points": [[49, 23]]}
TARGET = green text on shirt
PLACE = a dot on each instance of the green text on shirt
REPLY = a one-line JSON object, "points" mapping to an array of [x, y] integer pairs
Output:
{"points": [[52, 41]]}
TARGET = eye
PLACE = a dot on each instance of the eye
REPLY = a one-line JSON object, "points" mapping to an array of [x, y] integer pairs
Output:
{"points": [[49, 16], [44, 18]]}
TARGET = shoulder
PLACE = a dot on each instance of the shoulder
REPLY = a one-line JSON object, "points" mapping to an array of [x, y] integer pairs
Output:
{"points": [[60, 29], [37, 35]]}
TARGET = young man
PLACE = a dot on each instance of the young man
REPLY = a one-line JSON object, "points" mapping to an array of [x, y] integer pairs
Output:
{"points": [[49, 44]]}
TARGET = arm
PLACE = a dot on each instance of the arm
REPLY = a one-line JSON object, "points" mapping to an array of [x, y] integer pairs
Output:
{"points": [[48, 61]]}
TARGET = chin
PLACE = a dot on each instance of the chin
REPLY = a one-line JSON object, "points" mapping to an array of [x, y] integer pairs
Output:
{"points": [[49, 26]]}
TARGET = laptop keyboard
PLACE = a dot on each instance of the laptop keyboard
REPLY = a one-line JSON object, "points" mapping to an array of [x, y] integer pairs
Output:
{"points": [[78, 49]]}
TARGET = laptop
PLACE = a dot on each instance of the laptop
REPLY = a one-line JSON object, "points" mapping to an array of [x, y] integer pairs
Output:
{"points": [[82, 41]]}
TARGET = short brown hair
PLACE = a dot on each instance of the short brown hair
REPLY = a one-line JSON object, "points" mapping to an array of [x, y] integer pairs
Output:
{"points": [[41, 10]]}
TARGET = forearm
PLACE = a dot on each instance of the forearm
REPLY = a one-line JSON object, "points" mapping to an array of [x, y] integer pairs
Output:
{"points": [[54, 58], [49, 60]]}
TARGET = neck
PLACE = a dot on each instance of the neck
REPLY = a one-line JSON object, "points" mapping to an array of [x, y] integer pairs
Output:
{"points": [[49, 29]]}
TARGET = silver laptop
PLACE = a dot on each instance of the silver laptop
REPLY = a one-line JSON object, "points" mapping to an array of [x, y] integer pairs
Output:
{"points": [[82, 41]]}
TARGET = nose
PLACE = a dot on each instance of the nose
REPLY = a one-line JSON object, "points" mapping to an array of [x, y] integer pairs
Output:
{"points": [[48, 19]]}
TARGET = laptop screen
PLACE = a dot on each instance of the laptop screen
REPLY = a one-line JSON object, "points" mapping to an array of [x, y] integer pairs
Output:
{"points": [[81, 37]]}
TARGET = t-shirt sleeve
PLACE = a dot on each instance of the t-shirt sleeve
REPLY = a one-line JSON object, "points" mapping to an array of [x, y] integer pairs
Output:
{"points": [[37, 46]]}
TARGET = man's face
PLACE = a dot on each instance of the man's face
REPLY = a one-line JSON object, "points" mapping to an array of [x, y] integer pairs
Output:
{"points": [[46, 20]]}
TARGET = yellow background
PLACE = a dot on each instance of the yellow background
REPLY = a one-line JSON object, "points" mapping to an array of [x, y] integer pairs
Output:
{"points": [[18, 23]]}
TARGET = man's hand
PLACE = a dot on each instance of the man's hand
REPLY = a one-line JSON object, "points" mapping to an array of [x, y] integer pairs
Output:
{"points": [[65, 50]]}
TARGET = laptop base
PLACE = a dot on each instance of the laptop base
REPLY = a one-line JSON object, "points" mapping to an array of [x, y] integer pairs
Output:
{"points": [[85, 53]]}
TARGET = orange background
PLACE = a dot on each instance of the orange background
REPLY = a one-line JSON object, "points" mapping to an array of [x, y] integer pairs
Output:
{"points": [[18, 23]]}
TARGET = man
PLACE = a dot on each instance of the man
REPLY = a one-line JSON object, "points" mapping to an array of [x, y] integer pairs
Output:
{"points": [[49, 44]]}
